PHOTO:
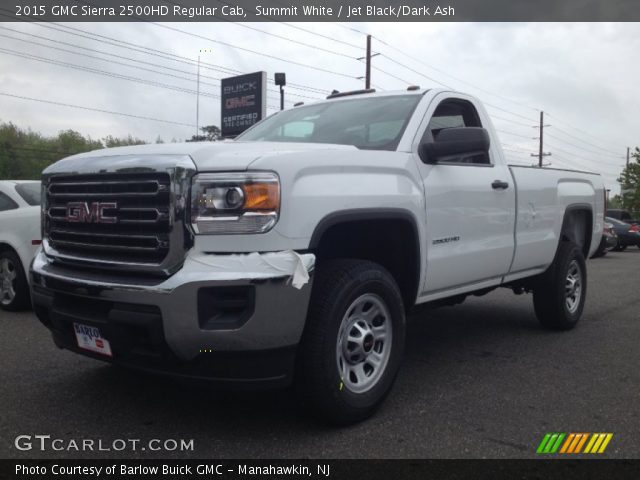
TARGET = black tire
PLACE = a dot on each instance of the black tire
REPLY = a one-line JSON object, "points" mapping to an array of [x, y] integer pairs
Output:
{"points": [[550, 296], [619, 247], [13, 279], [339, 288]]}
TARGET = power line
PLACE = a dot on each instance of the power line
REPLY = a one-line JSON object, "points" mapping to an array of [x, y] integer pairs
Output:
{"points": [[275, 35], [186, 72], [415, 71], [163, 54], [514, 134], [150, 51], [609, 154], [106, 60], [82, 107], [404, 53], [113, 75], [415, 59], [105, 73], [582, 140], [310, 31], [576, 129], [93, 50], [274, 57], [514, 122], [211, 66], [487, 104], [327, 37], [115, 63], [582, 157]]}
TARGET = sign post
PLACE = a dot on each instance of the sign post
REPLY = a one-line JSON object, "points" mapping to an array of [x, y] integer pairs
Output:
{"points": [[244, 102]]}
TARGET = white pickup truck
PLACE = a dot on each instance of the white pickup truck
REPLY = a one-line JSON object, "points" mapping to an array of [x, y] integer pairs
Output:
{"points": [[293, 253]]}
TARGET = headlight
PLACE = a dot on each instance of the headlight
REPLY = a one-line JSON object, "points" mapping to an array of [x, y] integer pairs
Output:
{"points": [[228, 203]]}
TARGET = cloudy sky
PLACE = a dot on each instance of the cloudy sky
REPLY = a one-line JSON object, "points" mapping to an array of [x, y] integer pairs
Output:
{"points": [[584, 76]]}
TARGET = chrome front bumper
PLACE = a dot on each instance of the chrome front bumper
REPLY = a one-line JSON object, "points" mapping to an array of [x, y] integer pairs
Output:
{"points": [[277, 317]]}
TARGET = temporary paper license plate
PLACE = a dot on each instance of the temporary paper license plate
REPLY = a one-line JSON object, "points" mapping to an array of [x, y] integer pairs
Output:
{"points": [[89, 338]]}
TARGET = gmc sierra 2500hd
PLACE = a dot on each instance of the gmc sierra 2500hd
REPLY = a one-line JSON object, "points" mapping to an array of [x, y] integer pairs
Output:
{"points": [[293, 253]]}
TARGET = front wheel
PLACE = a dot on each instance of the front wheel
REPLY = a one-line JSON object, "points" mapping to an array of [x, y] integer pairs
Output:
{"points": [[560, 293], [353, 341], [14, 288]]}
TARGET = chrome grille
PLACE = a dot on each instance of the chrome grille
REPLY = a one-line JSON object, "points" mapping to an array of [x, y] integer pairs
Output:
{"points": [[120, 217]]}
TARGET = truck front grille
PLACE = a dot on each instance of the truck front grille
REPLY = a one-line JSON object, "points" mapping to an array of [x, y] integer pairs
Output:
{"points": [[110, 217]]}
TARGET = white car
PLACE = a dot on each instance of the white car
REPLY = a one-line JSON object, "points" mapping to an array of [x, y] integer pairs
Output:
{"points": [[19, 239]]}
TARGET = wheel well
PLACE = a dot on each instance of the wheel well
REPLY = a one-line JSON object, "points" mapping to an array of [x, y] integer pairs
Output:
{"points": [[6, 246], [577, 227], [389, 240]]}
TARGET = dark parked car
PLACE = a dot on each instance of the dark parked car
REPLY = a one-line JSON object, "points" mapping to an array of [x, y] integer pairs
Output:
{"points": [[609, 240], [627, 234], [621, 215]]}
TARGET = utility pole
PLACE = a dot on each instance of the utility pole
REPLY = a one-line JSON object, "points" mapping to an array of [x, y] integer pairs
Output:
{"points": [[367, 81], [627, 156], [541, 153], [367, 58], [198, 100]]}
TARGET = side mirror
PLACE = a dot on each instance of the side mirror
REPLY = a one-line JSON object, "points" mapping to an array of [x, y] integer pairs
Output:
{"points": [[455, 142]]}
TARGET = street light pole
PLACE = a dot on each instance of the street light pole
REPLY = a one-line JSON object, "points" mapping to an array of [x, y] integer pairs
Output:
{"points": [[280, 79]]}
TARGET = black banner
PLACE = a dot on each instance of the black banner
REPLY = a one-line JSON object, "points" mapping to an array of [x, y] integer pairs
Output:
{"points": [[243, 102], [321, 10], [319, 469]]}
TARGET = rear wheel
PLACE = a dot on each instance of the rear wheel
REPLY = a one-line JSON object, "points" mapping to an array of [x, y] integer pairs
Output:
{"points": [[353, 341], [560, 293], [620, 247], [14, 289]]}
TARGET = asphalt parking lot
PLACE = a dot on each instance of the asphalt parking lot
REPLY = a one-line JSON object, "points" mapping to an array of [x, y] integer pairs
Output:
{"points": [[481, 379]]}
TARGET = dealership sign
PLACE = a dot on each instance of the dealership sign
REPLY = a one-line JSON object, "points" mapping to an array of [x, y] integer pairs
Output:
{"points": [[244, 102]]}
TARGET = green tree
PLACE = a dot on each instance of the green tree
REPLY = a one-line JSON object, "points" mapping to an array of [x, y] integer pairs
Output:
{"points": [[24, 153], [615, 202], [210, 133], [630, 184], [110, 141]]}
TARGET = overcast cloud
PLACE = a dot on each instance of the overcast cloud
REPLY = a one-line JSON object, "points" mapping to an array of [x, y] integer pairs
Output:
{"points": [[584, 75]]}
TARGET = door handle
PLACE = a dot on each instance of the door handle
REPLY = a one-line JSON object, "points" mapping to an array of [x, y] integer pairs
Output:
{"points": [[499, 185]]}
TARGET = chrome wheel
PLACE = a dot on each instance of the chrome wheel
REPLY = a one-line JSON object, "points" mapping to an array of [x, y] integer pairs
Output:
{"points": [[8, 275], [573, 287], [364, 343]]}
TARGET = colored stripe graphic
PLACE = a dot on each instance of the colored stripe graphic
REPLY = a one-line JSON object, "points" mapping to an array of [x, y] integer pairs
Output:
{"points": [[550, 443], [573, 443], [598, 442]]}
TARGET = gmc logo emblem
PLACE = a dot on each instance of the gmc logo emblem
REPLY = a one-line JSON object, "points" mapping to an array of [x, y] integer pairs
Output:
{"points": [[84, 212], [239, 102]]}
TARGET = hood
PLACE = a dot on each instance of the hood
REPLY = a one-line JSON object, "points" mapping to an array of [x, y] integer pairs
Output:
{"points": [[207, 156]]}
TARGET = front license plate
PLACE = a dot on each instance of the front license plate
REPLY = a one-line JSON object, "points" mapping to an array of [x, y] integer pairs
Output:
{"points": [[89, 338]]}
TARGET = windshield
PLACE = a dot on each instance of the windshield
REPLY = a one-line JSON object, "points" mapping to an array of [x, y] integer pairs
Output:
{"points": [[374, 123], [30, 192]]}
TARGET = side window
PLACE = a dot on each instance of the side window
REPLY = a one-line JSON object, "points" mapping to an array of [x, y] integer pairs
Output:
{"points": [[453, 113], [6, 203], [300, 129]]}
